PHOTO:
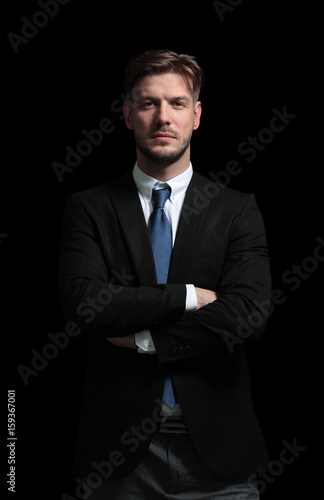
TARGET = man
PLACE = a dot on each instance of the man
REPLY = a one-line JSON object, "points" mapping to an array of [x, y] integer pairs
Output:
{"points": [[163, 269]]}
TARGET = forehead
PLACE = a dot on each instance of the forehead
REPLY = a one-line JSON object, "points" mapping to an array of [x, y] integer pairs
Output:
{"points": [[166, 84]]}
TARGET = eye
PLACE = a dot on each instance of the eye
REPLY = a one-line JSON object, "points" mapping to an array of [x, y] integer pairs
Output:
{"points": [[178, 104], [148, 104]]}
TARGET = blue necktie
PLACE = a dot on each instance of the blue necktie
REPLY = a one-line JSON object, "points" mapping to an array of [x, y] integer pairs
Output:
{"points": [[161, 239]]}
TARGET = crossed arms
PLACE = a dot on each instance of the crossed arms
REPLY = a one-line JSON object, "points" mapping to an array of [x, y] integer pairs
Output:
{"points": [[204, 297], [244, 287]]}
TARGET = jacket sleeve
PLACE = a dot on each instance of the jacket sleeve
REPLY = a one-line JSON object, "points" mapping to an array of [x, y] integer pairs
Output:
{"points": [[100, 300], [240, 314]]}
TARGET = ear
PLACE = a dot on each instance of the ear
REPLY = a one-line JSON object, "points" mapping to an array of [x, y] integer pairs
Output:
{"points": [[127, 111], [197, 114]]}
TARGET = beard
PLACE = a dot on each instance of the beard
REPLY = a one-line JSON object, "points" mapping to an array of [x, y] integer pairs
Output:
{"points": [[162, 156]]}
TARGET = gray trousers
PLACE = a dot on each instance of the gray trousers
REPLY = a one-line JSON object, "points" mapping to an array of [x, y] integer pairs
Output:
{"points": [[171, 469]]}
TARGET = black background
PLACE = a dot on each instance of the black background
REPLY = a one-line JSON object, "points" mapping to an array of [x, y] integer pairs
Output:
{"points": [[65, 79]]}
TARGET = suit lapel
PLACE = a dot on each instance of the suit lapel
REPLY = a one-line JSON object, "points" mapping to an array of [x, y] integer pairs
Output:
{"points": [[190, 222], [128, 207]]}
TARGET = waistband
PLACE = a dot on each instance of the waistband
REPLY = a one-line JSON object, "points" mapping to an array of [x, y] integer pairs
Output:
{"points": [[172, 424]]}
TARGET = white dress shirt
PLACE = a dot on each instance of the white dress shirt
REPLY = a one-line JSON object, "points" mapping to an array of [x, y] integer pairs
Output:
{"points": [[172, 208]]}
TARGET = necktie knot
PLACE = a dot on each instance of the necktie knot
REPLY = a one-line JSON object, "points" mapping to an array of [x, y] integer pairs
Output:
{"points": [[160, 196]]}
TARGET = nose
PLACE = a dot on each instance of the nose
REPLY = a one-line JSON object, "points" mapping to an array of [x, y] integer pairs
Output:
{"points": [[163, 115]]}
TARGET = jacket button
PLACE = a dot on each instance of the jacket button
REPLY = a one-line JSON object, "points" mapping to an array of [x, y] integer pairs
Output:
{"points": [[180, 350], [186, 348], [173, 352]]}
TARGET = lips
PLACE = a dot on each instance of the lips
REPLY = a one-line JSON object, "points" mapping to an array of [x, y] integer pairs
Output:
{"points": [[162, 135]]}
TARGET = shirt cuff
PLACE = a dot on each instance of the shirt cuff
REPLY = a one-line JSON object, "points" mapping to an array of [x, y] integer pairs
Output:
{"points": [[144, 342], [191, 299]]}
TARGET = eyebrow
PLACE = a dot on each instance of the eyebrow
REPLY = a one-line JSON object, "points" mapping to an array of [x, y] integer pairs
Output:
{"points": [[154, 98], [181, 98]]}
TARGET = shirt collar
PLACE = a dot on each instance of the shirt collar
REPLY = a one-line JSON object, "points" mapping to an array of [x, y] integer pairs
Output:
{"points": [[178, 184]]}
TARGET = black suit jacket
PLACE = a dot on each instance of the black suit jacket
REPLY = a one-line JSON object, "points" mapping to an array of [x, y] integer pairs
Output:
{"points": [[108, 286]]}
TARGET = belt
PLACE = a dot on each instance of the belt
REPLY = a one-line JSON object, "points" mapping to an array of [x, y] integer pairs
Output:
{"points": [[172, 424]]}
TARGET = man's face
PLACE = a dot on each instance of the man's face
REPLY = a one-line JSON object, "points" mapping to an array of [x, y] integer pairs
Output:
{"points": [[163, 116]]}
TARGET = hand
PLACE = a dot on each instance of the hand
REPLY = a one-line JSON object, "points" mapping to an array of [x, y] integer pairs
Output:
{"points": [[127, 341], [205, 297]]}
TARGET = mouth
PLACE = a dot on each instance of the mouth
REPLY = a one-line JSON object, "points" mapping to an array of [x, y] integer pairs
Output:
{"points": [[161, 136]]}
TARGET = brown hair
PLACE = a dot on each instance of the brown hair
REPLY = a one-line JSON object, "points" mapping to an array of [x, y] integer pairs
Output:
{"points": [[157, 61]]}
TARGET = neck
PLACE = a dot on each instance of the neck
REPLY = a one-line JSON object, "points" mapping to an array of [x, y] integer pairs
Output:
{"points": [[160, 172]]}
